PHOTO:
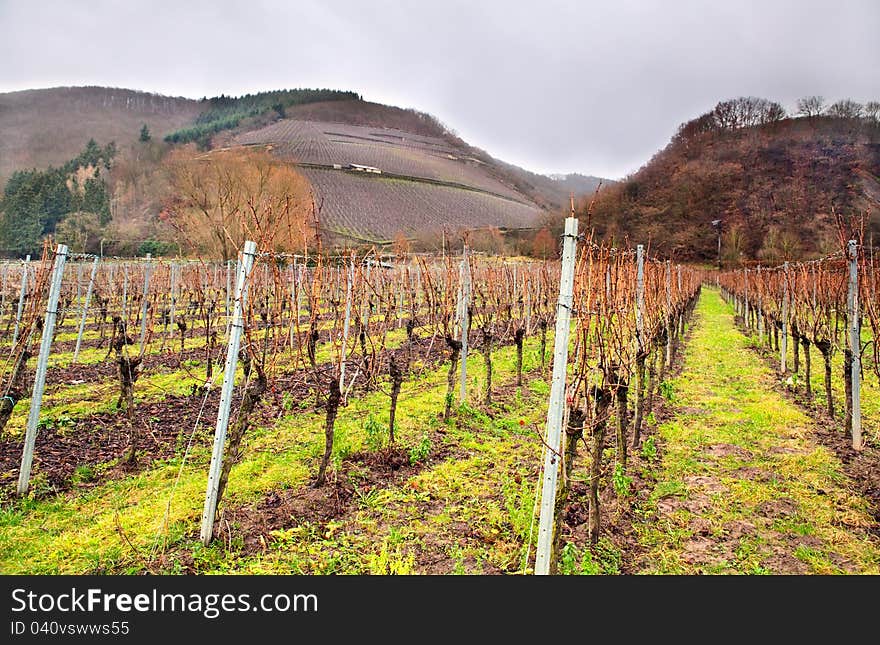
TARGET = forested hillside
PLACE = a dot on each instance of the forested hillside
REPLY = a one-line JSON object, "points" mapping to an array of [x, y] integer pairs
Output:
{"points": [[776, 183]]}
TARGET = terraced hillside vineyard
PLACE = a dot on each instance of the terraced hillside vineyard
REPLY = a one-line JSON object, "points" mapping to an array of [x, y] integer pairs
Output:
{"points": [[443, 188], [426, 184]]}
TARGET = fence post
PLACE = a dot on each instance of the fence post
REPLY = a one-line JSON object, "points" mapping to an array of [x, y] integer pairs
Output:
{"points": [[27, 457], [668, 312], [82, 320], [527, 285], [855, 343], [125, 294], [173, 303], [300, 282], [21, 297], [783, 345], [244, 269], [556, 408], [346, 324], [760, 311], [145, 304], [293, 307], [401, 290], [228, 292], [640, 297], [463, 301], [3, 288]]}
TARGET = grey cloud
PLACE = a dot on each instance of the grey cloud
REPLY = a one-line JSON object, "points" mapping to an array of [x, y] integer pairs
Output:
{"points": [[593, 87]]}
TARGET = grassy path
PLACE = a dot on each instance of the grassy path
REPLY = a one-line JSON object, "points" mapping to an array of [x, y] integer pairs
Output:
{"points": [[744, 487]]}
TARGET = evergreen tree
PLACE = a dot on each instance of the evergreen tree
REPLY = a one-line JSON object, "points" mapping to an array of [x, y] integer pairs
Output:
{"points": [[145, 134], [35, 202], [96, 200]]}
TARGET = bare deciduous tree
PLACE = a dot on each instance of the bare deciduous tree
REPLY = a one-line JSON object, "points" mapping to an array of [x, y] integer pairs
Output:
{"points": [[811, 106], [845, 109], [872, 110], [221, 198]]}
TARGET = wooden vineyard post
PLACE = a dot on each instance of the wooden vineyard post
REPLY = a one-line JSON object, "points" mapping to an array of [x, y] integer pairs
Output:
{"points": [[173, 304], [783, 344], [556, 408], [346, 323], [27, 457], [85, 309], [681, 317], [419, 294], [145, 304], [760, 311], [125, 294], [400, 293], [236, 328], [463, 302], [294, 310], [855, 342], [300, 281], [528, 288], [21, 297], [3, 288], [640, 295], [366, 310], [668, 312]]}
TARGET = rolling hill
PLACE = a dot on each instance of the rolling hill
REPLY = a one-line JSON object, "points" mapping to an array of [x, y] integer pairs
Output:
{"points": [[39, 128], [778, 189], [430, 179]]}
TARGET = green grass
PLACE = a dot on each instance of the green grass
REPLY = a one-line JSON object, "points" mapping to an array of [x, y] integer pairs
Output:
{"points": [[742, 483], [116, 526], [870, 388]]}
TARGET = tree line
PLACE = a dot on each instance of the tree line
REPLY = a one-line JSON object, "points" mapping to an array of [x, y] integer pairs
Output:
{"points": [[752, 111], [226, 112]]}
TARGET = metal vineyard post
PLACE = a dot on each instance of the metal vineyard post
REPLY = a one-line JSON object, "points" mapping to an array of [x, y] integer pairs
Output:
{"points": [[40, 378], [244, 269], [555, 411]]}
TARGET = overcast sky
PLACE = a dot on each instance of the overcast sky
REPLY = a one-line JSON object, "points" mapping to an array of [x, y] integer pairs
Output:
{"points": [[554, 86]]}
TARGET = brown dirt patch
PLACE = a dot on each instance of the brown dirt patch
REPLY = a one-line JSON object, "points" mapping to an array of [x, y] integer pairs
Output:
{"points": [[700, 550], [808, 541], [781, 561], [737, 529], [726, 450], [708, 484], [753, 473], [777, 508], [282, 509], [101, 438], [845, 564], [694, 503], [786, 450], [700, 526]]}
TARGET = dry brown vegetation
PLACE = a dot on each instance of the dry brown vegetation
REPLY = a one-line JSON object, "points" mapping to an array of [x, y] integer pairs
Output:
{"points": [[48, 127], [776, 187], [220, 199]]}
